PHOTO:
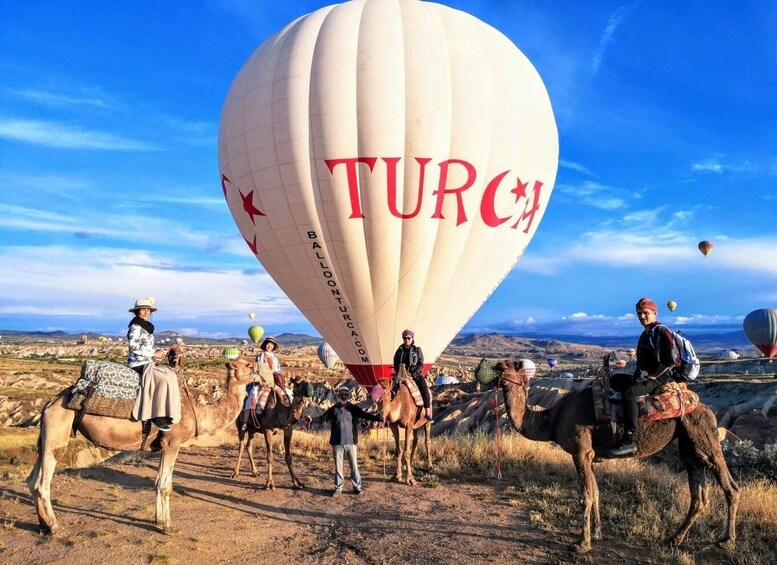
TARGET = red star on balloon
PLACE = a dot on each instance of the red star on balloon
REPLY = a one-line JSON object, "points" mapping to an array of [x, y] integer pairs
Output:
{"points": [[252, 244], [519, 190], [248, 205]]}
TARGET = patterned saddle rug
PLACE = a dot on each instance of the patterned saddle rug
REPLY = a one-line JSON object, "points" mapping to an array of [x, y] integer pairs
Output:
{"points": [[105, 389], [672, 400], [414, 392]]}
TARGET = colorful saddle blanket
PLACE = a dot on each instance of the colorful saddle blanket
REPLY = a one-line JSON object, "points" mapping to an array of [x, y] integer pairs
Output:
{"points": [[670, 401], [105, 389], [414, 392]]}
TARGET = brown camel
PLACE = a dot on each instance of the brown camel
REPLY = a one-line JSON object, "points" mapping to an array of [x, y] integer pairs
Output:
{"points": [[572, 424], [274, 418], [116, 434], [400, 411]]}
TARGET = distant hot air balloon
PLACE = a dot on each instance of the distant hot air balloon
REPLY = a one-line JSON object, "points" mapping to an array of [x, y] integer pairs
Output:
{"points": [[620, 363], [230, 353], [251, 315], [631, 353], [730, 354], [244, 342], [552, 362], [255, 333], [671, 305], [761, 328], [179, 340], [705, 247], [370, 152], [327, 355]]}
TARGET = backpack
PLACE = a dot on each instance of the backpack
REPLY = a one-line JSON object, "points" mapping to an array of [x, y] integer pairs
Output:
{"points": [[689, 364]]}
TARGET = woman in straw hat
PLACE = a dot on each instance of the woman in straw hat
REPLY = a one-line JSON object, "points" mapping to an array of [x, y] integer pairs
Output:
{"points": [[159, 400], [267, 364]]}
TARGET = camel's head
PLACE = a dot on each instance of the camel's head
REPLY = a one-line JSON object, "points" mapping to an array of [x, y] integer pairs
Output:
{"points": [[239, 371], [513, 372], [381, 394]]}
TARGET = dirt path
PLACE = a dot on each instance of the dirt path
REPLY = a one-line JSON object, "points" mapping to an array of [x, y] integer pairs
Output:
{"points": [[107, 514]]}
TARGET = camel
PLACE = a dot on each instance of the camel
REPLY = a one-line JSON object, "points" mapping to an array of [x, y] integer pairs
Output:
{"points": [[572, 424], [116, 434], [274, 418], [399, 410]]}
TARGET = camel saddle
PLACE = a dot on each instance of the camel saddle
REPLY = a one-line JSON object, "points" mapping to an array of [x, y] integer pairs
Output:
{"points": [[414, 392], [673, 400], [105, 389]]}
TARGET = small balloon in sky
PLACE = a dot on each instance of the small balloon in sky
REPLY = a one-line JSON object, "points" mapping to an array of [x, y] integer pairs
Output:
{"points": [[251, 315], [705, 247], [552, 362], [671, 305], [244, 342], [327, 355], [255, 333]]}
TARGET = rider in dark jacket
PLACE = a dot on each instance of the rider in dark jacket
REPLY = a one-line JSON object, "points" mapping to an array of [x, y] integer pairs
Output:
{"points": [[411, 356], [656, 358]]}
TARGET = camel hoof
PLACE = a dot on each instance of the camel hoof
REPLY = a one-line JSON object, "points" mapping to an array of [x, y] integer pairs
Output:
{"points": [[396, 479], [580, 547], [673, 541], [596, 536], [170, 531], [299, 486], [726, 543], [255, 474], [410, 482], [234, 475]]}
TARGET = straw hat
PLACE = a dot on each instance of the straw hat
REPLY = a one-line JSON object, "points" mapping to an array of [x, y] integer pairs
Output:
{"points": [[143, 303], [266, 341]]}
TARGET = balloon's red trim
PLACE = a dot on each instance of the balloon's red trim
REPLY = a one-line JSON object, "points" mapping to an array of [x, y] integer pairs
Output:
{"points": [[369, 375], [768, 350]]}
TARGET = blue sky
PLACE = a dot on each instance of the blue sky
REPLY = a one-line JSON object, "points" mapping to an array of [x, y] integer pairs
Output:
{"points": [[109, 181]]}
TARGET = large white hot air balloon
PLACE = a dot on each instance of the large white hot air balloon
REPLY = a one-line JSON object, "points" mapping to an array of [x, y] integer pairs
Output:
{"points": [[761, 329], [388, 162]]}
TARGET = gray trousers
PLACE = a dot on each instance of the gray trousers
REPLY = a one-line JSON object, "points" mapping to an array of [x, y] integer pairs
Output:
{"points": [[350, 451]]}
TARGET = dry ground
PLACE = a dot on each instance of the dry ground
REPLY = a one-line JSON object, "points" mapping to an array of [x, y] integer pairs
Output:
{"points": [[107, 515]]}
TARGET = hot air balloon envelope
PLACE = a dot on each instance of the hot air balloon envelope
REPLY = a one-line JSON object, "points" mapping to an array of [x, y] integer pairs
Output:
{"points": [[251, 315], [552, 362], [529, 368], [671, 305], [327, 355], [230, 353], [705, 247], [761, 329], [446, 380], [370, 152], [255, 333]]}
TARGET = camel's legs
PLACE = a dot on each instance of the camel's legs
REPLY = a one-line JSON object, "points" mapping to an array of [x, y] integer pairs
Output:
{"points": [[699, 444], [409, 435], [250, 449], [270, 484], [241, 443], [428, 445], [697, 482], [287, 433], [55, 425], [398, 453], [164, 487], [597, 533], [583, 460]]}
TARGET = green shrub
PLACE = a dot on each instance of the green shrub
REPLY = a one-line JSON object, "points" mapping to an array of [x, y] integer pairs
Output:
{"points": [[747, 462]]}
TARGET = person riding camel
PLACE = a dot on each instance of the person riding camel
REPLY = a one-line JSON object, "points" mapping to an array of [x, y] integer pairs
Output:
{"points": [[656, 358], [411, 356], [267, 363], [159, 400]]}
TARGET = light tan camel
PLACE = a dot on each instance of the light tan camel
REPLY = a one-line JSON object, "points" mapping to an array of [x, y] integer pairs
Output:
{"points": [[124, 435], [572, 424], [400, 411], [273, 418]]}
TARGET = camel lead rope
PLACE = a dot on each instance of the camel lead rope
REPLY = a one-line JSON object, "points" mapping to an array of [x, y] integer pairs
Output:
{"points": [[498, 449], [384, 436]]}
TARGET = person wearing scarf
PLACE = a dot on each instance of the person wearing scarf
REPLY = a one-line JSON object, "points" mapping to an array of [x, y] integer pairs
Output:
{"points": [[159, 399]]}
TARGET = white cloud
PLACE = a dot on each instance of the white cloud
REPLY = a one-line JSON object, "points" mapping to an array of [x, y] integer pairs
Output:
{"points": [[572, 166], [594, 194], [55, 134], [711, 166], [101, 282], [606, 38], [52, 99]]}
